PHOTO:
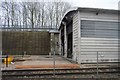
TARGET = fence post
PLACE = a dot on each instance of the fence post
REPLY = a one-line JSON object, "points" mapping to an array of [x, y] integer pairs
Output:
{"points": [[54, 62], [7, 61], [97, 65], [53, 50]]}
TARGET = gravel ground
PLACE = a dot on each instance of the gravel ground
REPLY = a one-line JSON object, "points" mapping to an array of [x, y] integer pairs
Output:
{"points": [[93, 76]]}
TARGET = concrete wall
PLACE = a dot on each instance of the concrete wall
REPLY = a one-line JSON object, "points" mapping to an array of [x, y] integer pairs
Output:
{"points": [[60, 42], [54, 43]]}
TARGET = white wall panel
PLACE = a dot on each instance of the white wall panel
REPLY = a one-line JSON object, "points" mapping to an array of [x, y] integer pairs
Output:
{"points": [[102, 16], [76, 36], [101, 37]]}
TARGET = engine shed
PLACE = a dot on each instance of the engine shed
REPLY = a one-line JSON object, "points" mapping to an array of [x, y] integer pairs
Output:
{"points": [[84, 32]]}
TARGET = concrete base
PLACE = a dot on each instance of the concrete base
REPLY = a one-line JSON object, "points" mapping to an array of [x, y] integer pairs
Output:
{"points": [[41, 61]]}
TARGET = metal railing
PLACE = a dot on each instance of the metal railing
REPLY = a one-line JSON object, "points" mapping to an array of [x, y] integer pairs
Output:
{"points": [[28, 28]]}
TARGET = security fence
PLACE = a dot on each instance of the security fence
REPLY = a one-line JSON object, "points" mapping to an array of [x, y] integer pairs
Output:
{"points": [[26, 41]]}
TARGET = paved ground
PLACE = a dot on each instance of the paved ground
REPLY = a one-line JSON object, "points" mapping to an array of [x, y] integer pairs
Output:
{"points": [[45, 61], [40, 61]]}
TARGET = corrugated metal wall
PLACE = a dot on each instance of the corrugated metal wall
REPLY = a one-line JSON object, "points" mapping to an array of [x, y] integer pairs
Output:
{"points": [[101, 37], [33, 43], [76, 37]]}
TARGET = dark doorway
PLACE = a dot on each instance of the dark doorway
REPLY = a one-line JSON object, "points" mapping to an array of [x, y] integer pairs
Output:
{"points": [[62, 41], [62, 46], [69, 51], [69, 39]]}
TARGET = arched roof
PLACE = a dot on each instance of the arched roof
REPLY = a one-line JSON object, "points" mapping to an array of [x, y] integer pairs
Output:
{"points": [[84, 9], [69, 11]]}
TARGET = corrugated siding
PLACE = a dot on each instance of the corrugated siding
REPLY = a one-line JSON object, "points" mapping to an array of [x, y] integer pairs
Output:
{"points": [[75, 35], [101, 37]]}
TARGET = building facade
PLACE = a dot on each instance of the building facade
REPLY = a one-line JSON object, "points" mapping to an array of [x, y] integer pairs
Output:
{"points": [[84, 32]]}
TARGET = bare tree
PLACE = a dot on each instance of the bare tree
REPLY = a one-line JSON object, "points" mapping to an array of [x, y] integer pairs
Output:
{"points": [[24, 15], [5, 7], [50, 14], [12, 13], [42, 13], [34, 14], [60, 10]]}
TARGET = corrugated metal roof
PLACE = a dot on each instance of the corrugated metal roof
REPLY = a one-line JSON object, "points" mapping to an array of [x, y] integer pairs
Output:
{"points": [[85, 9], [112, 11]]}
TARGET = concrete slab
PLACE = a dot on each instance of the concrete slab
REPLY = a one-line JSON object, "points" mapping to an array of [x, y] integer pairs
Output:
{"points": [[46, 61], [41, 61]]}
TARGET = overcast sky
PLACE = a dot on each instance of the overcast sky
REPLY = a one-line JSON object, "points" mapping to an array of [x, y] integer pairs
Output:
{"points": [[107, 4]]}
